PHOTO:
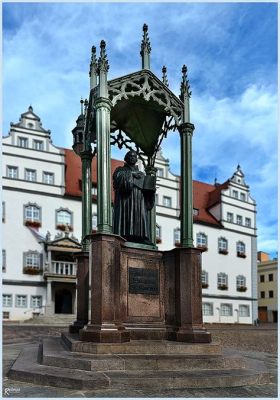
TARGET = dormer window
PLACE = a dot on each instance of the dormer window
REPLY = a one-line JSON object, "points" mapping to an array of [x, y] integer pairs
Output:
{"points": [[242, 197], [23, 142], [38, 145], [160, 172], [239, 220]]}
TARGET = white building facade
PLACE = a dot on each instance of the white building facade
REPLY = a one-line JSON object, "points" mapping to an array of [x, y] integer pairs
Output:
{"points": [[41, 221]]}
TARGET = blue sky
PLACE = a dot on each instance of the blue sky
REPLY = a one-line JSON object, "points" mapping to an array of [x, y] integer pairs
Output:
{"points": [[231, 53]]}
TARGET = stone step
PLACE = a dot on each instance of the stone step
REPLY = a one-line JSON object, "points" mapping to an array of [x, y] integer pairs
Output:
{"points": [[58, 319], [140, 347], [54, 354], [27, 368]]}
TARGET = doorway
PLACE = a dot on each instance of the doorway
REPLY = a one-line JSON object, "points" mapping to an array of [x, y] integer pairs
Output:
{"points": [[63, 302]]}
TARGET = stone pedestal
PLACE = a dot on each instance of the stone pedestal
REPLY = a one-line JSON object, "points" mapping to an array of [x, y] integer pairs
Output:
{"points": [[106, 319], [184, 296], [82, 292]]}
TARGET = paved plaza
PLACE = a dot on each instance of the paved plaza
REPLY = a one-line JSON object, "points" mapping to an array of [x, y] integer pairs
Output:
{"points": [[254, 343]]}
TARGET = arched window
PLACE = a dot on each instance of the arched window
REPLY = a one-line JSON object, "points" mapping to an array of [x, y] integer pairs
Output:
{"points": [[64, 218], [223, 245], [158, 233], [201, 241], [32, 215], [241, 249], [222, 281]]}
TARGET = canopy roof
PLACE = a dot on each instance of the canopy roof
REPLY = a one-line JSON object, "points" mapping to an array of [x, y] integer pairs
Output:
{"points": [[141, 103]]}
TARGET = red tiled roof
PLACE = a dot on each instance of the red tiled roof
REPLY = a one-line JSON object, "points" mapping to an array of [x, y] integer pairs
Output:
{"points": [[204, 194], [73, 172], [201, 195]]}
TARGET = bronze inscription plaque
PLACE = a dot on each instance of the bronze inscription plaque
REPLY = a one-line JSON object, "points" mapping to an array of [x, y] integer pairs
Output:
{"points": [[143, 281]]}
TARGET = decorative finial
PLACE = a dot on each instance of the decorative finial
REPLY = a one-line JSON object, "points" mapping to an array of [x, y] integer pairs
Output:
{"points": [[82, 108], [145, 48], [185, 87], [103, 62], [86, 106], [93, 69], [93, 61], [30, 108], [164, 76], [238, 167]]}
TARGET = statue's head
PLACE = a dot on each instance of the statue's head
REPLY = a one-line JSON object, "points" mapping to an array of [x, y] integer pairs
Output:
{"points": [[131, 157]]}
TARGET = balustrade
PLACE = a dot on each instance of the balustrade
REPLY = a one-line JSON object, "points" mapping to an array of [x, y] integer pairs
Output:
{"points": [[64, 268]]}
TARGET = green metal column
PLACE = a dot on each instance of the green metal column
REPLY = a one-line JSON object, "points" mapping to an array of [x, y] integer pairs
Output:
{"points": [[186, 132], [150, 170], [86, 157], [103, 107]]}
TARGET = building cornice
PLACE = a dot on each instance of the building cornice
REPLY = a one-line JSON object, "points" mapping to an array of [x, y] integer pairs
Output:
{"points": [[23, 283]]}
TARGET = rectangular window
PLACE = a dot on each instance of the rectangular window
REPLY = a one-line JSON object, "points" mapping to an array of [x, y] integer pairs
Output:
{"points": [[7, 300], [32, 260], [270, 294], [160, 172], [222, 279], [21, 300], [262, 295], [239, 220], [248, 222], [32, 213], [242, 196], [235, 194], [261, 278], [3, 260], [3, 211], [244, 311], [94, 222], [6, 315], [207, 308], [229, 217], [48, 178], [270, 277], [23, 142], [30, 175], [38, 145], [166, 201], [226, 310], [177, 235], [12, 172], [36, 301]]}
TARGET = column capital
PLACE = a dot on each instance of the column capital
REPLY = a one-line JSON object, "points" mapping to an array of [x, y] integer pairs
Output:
{"points": [[86, 155], [103, 102], [186, 128], [151, 170]]}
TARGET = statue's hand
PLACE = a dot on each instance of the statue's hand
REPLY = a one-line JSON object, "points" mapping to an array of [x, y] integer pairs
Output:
{"points": [[137, 175]]}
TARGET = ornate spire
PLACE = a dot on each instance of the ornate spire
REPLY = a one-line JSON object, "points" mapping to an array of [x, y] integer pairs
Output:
{"points": [[93, 61], [82, 104], [103, 65], [145, 48], [185, 87], [164, 76]]}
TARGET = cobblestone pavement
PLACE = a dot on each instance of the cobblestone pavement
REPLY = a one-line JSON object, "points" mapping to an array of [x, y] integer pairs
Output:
{"points": [[15, 339]]}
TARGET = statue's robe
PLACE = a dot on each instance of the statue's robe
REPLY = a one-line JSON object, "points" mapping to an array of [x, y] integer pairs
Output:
{"points": [[131, 205]]}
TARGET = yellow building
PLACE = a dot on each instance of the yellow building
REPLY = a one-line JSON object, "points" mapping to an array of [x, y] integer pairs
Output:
{"points": [[267, 288]]}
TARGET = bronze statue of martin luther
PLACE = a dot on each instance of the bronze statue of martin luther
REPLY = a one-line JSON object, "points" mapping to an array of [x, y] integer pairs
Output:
{"points": [[134, 196]]}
